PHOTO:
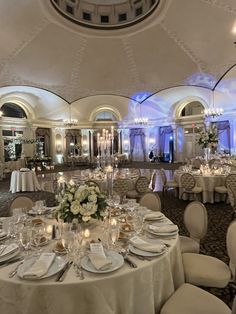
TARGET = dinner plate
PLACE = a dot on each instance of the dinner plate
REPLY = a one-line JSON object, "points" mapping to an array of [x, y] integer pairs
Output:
{"points": [[162, 234], [56, 266], [137, 251], [116, 259], [160, 217]]}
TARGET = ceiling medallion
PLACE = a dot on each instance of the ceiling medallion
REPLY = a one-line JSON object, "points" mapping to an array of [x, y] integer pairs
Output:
{"points": [[105, 14]]}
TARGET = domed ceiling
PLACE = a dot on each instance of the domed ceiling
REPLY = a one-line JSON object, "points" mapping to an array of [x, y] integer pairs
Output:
{"points": [[181, 42]]}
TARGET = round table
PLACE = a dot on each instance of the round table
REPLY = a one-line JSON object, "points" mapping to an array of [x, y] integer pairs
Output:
{"points": [[22, 181], [207, 183], [127, 290]]}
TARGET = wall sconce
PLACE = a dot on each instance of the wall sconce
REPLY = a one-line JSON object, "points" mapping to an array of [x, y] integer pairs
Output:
{"points": [[151, 141]]}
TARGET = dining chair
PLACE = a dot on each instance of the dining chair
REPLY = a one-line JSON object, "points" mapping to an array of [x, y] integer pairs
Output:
{"points": [[141, 187], [152, 182], [151, 200], [167, 184], [208, 271], [121, 187], [22, 202], [195, 221], [188, 299], [189, 186], [229, 180], [232, 198]]}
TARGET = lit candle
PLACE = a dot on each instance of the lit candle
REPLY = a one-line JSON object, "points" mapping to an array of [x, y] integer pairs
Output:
{"points": [[72, 182], [86, 233], [49, 230], [109, 168], [113, 222]]}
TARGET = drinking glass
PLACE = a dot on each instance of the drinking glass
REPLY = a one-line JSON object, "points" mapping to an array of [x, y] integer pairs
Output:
{"points": [[38, 236], [25, 235], [116, 200], [138, 224], [114, 232]]}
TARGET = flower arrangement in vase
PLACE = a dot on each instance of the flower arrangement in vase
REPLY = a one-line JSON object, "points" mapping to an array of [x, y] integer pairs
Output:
{"points": [[208, 137], [81, 202]]}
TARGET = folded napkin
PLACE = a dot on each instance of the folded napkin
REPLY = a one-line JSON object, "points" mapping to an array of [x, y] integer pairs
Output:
{"points": [[99, 261], [8, 249], [154, 216], [163, 229], [40, 267], [147, 246]]}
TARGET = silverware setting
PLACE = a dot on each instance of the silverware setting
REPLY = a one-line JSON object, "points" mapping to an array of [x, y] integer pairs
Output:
{"points": [[11, 261], [62, 274], [14, 271]]}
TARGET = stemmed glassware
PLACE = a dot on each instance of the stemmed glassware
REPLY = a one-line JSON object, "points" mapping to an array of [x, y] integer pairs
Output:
{"points": [[38, 235], [25, 235]]}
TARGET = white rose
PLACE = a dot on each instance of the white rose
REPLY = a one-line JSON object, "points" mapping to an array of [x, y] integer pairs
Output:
{"points": [[92, 198], [75, 207], [86, 218]]}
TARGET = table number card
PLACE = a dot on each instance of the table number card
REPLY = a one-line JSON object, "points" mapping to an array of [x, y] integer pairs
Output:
{"points": [[97, 248]]}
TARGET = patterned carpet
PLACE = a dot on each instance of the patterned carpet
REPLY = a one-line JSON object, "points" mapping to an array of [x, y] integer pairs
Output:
{"points": [[214, 244]]}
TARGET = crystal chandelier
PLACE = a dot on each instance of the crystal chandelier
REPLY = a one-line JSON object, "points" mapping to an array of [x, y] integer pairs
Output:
{"points": [[213, 112], [141, 121], [68, 123]]}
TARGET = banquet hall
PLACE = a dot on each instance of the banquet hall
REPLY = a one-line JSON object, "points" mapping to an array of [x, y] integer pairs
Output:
{"points": [[133, 101]]}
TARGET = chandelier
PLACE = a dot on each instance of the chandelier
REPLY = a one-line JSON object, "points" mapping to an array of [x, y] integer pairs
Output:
{"points": [[68, 123], [141, 121], [213, 112]]}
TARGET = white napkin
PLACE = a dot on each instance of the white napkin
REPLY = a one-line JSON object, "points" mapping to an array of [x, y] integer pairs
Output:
{"points": [[100, 262], [147, 246], [8, 249], [40, 267], [163, 229], [154, 216], [24, 169]]}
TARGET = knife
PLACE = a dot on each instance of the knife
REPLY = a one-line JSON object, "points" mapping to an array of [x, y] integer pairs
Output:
{"points": [[11, 261], [63, 272]]}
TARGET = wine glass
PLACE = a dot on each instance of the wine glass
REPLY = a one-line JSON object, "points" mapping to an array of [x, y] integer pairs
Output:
{"points": [[116, 200], [138, 224], [25, 235], [38, 236], [114, 232]]}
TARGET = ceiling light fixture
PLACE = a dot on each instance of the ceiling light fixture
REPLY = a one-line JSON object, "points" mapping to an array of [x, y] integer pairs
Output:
{"points": [[213, 112], [68, 123], [141, 121]]}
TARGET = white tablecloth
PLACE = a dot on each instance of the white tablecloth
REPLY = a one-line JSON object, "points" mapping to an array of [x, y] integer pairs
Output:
{"points": [[125, 291], [24, 181], [207, 182]]}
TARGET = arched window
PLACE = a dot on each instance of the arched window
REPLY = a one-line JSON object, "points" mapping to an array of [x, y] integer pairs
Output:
{"points": [[191, 109], [105, 116], [13, 110]]}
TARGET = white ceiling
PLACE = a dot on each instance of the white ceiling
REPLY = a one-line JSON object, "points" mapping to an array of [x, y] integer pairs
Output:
{"points": [[185, 42]]}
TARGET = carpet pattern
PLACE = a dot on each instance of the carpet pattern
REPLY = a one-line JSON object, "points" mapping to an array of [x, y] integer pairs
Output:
{"points": [[214, 244]]}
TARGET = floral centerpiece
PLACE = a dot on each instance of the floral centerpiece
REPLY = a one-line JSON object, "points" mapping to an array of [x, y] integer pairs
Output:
{"points": [[81, 202], [208, 137]]}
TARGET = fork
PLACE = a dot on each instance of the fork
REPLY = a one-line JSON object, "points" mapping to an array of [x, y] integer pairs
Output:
{"points": [[14, 271]]}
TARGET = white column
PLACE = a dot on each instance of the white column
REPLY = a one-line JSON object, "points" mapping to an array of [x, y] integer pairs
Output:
{"points": [[233, 136]]}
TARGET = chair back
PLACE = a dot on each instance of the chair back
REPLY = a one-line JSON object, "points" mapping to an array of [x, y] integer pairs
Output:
{"points": [[163, 176], [151, 200], [195, 220], [152, 183], [234, 306], [232, 196], [231, 246], [121, 187], [22, 202], [231, 180], [187, 181], [141, 185]]}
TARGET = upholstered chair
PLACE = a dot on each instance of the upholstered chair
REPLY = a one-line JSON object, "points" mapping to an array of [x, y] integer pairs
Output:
{"points": [[22, 202], [188, 299], [189, 186], [195, 220], [230, 180], [141, 187], [121, 187], [151, 200], [167, 184], [208, 271], [232, 198]]}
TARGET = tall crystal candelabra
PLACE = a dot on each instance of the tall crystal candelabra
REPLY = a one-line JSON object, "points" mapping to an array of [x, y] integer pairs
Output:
{"points": [[105, 142]]}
